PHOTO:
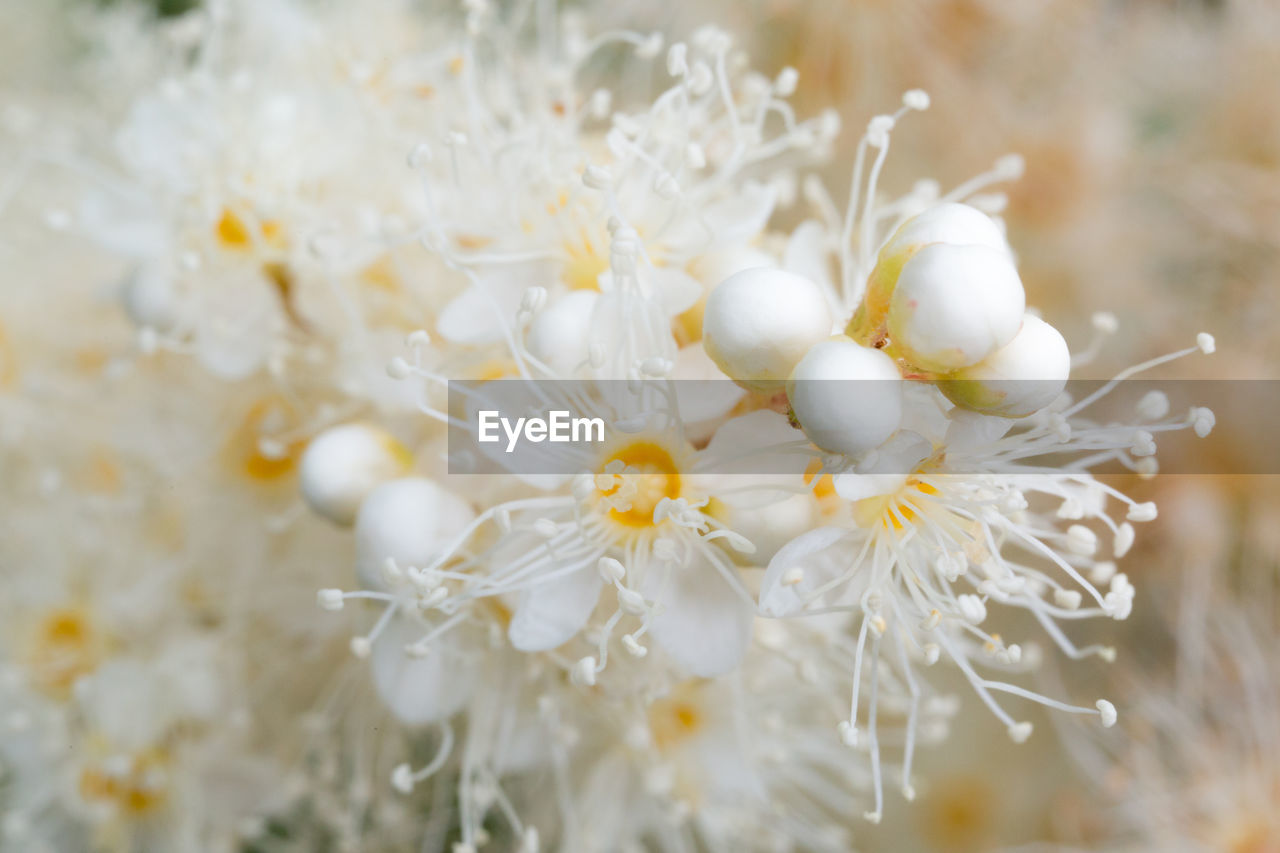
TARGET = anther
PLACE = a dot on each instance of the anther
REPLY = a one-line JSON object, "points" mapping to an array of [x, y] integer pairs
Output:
{"points": [[583, 672], [398, 368], [916, 99], [611, 570], [1019, 732], [1142, 512]]}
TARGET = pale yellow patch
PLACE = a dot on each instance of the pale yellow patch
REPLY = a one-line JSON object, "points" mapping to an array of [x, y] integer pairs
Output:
{"points": [[1248, 833], [674, 719], [233, 233], [584, 264], [959, 814], [495, 368], [243, 452], [381, 274], [133, 793], [90, 360], [402, 456], [64, 647], [101, 474], [472, 242], [687, 327]]}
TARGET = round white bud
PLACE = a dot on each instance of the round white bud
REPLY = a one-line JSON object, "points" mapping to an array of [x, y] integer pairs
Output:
{"points": [[953, 223], [344, 463], [1018, 379], [847, 397], [955, 305], [760, 322], [408, 521]]}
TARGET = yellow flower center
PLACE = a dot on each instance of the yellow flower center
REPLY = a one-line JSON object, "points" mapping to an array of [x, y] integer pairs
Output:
{"points": [[233, 233], [958, 813], [676, 718], [66, 646], [245, 452], [135, 792], [896, 510], [584, 265], [649, 474]]}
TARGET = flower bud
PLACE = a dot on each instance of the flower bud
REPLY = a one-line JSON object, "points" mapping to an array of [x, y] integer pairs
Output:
{"points": [[955, 305], [950, 223], [409, 520], [344, 463], [843, 416], [759, 322], [953, 223], [1018, 379]]}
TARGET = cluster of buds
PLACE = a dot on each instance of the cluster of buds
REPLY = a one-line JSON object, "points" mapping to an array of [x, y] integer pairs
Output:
{"points": [[943, 304]]}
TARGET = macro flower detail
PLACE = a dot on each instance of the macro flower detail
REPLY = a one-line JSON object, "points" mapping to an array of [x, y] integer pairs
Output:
{"points": [[482, 428]]}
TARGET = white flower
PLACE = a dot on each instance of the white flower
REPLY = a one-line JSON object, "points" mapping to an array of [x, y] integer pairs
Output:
{"points": [[960, 499], [645, 497]]}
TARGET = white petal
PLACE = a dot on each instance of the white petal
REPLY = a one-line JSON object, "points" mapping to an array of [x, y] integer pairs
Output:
{"points": [[741, 218], [234, 326], [807, 254], [549, 614], [748, 444], [125, 228], [921, 412], [128, 704], [812, 553], [479, 313], [703, 394], [676, 289], [856, 487], [970, 430], [703, 625], [734, 221], [420, 690]]}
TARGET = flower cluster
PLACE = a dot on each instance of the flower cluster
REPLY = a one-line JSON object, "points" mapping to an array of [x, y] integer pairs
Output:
{"points": [[713, 630]]}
